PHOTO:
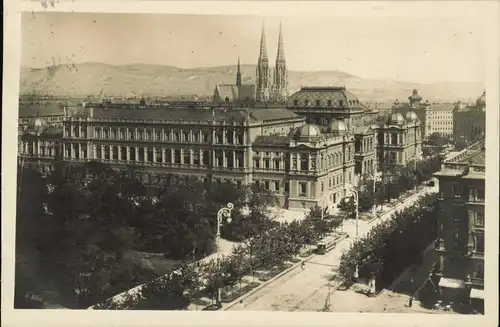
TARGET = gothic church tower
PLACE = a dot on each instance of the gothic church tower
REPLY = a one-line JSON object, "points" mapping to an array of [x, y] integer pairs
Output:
{"points": [[262, 74], [238, 74], [280, 72]]}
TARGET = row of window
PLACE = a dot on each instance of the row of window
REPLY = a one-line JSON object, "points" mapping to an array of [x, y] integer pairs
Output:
{"points": [[472, 193], [328, 103], [478, 240], [367, 145], [195, 136]]}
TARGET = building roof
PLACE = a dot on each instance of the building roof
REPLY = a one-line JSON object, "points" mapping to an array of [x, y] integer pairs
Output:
{"points": [[473, 154], [308, 132], [439, 106], [411, 116], [271, 114], [233, 92], [415, 96], [481, 101], [272, 140], [193, 114], [474, 158], [337, 126], [396, 119], [227, 91], [36, 125], [309, 96], [363, 130], [33, 109]]}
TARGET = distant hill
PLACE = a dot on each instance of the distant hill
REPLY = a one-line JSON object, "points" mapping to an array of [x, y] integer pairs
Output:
{"points": [[157, 80]]}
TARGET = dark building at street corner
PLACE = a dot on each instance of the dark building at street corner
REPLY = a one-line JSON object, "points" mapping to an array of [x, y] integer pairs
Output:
{"points": [[461, 244]]}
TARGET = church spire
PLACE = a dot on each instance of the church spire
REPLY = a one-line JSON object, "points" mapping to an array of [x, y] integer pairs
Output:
{"points": [[263, 48], [280, 72], [238, 74], [281, 51], [262, 73]]}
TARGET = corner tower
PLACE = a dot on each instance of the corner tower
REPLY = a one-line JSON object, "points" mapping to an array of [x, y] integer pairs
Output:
{"points": [[262, 74]]}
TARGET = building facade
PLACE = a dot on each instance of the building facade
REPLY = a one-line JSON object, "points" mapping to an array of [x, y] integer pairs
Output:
{"points": [[272, 146], [327, 106], [399, 140], [433, 117], [438, 119], [469, 123], [461, 244]]}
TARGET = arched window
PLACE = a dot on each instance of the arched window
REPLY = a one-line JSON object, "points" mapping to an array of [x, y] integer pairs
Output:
{"points": [[226, 99]]}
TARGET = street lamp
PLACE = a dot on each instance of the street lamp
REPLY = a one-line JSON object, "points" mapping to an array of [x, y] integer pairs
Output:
{"points": [[224, 212], [356, 199], [356, 203]]}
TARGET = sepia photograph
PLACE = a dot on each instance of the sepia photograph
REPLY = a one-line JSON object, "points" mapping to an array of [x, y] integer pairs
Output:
{"points": [[251, 163]]}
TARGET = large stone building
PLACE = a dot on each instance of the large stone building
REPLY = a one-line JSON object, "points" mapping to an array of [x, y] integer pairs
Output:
{"points": [[434, 117], [326, 106], [271, 84], [301, 163], [469, 123], [399, 140], [461, 225]]}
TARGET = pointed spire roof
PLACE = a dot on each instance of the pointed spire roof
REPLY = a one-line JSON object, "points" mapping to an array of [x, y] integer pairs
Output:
{"points": [[263, 48], [281, 50], [238, 64]]}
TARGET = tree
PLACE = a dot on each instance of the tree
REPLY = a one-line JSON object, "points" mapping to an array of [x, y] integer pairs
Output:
{"points": [[348, 208], [394, 244], [438, 140]]}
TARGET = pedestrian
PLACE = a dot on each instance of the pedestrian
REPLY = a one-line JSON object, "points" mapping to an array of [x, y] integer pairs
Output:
{"points": [[410, 302], [303, 265]]}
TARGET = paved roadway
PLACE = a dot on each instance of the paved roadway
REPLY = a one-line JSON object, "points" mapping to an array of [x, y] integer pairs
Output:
{"points": [[306, 289]]}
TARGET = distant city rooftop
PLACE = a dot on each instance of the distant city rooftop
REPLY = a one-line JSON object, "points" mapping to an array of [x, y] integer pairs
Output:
{"points": [[323, 88]]}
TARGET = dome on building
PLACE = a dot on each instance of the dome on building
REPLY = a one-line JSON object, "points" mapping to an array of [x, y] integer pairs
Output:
{"points": [[481, 101], [308, 132], [36, 125], [411, 116], [396, 119], [337, 126], [415, 97]]}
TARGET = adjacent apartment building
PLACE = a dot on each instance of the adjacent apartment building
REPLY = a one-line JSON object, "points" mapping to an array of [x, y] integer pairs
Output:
{"points": [[469, 122], [460, 245]]}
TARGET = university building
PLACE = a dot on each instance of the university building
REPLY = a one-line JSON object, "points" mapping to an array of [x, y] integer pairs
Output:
{"points": [[270, 146], [461, 225]]}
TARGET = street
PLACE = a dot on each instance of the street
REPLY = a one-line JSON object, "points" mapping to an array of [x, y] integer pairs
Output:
{"points": [[306, 289]]}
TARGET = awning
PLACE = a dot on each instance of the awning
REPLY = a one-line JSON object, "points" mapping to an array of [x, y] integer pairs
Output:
{"points": [[476, 293], [451, 283]]}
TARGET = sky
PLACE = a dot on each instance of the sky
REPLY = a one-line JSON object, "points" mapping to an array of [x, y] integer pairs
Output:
{"points": [[424, 50]]}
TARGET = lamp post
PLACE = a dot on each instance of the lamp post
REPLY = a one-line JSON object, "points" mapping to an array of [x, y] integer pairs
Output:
{"points": [[374, 169], [356, 199], [224, 212]]}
